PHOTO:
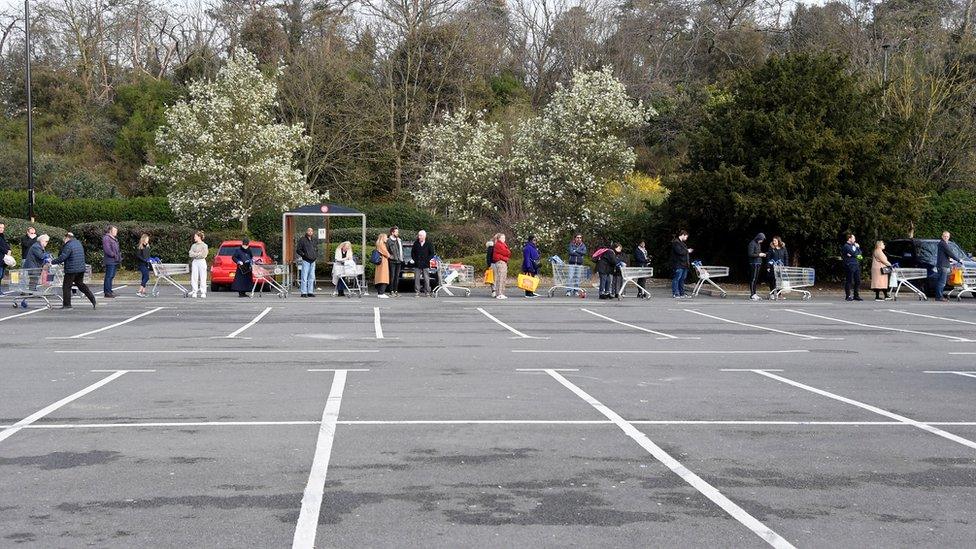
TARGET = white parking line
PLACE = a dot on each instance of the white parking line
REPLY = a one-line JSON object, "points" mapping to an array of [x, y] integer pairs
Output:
{"points": [[506, 326], [784, 332], [964, 374], [662, 334], [706, 489], [222, 350], [254, 321], [23, 314], [110, 326], [888, 328], [377, 323], [308, 518], [113, 289], [933, 317], [10, 431], [662, 351], [870, 408]]}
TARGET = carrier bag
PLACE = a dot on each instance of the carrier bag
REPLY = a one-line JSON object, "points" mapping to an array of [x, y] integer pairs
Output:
{"points": [[528, 283], [955, 277], [489, 277]]}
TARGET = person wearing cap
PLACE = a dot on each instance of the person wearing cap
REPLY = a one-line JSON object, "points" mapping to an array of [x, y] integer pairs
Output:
{"points": [[73, 257], [756, 256], [243, 283]]}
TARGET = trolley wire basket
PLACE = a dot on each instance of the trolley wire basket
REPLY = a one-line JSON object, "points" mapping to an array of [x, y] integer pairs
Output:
{"points": [[707, 275], [454, 276], [792, 279]]}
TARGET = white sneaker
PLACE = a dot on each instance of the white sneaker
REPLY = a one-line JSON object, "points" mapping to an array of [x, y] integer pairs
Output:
{"points": [[203, 296], [383, 296], [755, 297], [501, 297]]}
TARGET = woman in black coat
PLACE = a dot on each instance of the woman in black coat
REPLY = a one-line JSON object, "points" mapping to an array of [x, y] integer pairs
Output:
{"points": [[243, 282]]}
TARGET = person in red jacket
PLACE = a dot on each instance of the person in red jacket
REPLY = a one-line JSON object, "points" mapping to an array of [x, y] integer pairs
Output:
{"points": [[499, 265]]}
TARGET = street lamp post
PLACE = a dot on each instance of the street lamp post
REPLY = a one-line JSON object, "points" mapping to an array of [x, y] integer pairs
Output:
{"points": [[884, 71], [30, 114]]}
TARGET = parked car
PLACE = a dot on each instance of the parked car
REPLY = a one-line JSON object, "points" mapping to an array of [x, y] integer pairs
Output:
{"points": [[921, 253], [407, 276], [223, 269]]}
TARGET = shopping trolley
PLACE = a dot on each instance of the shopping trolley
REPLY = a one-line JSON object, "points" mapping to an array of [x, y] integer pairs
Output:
{"points": [[351, 275], [631, 275], [269, 274], [569, 277], [454, 276], [792, 279], [903, 277], [41, 283], [166, 271], [968, 284], [706, 274]]}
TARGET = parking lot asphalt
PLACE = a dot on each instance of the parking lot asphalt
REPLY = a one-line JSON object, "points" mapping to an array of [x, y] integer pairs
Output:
{"points": [[458, 421]]}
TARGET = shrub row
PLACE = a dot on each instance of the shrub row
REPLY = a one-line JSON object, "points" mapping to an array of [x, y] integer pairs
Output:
{"points": [[65, 213], [168, 241]]}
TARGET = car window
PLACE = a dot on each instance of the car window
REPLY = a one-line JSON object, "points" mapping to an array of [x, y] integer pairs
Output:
{"points": [[229, 250], [927, 251], [956, 249]]}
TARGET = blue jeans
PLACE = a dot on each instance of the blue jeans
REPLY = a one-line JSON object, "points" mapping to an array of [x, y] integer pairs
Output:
{"points": [[306, 277], [144, 271], [678, 282], [606, 284], [941, 282], [110, 271]]}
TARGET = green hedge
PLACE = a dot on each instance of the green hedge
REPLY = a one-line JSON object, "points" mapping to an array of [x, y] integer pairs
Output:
{"points": [[953, 211], [17, 228], [168, 241], [52, 210]]}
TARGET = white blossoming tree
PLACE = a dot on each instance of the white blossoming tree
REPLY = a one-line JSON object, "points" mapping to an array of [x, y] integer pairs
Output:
{"points": [[566, 157], [224, 156], [462, 166]]}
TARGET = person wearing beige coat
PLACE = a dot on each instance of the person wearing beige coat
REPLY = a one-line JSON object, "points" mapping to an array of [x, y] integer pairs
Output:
{"points": [[879, 280], [381, 279]]}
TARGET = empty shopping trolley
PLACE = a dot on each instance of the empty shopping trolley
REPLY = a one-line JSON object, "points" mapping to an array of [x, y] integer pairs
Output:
{"points": [[351, 276], [571, 278], [269, 275], [792, 279], [166, 272], [707, 274], [631, 275], [454, 276], [903, 277]]}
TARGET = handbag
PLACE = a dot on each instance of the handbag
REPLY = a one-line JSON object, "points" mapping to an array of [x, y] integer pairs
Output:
{"points": [[885, 270], [528, 283], [375, 258], [489, 277]]}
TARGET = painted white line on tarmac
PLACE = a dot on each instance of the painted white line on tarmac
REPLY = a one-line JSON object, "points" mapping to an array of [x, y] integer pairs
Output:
{"points": [[664, 351], [933, 317], [24, 314], [308, 518], [888, 328], [506, 326], [338, 370], [964, 374], [110, 326], [253, 321], [223, 350], [10, 431], [377, 323], [706, 489], [962, 353], [756, 326], [662, 334], [113, 289], [870, 408]]}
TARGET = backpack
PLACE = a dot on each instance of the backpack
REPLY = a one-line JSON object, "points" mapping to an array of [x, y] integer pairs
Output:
{"points": [[599, 252], [375, 258]]}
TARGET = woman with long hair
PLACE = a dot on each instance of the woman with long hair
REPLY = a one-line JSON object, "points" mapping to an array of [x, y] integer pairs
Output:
{"points": [[198, 266], [880, 279], [381, 279], [142, 257]]}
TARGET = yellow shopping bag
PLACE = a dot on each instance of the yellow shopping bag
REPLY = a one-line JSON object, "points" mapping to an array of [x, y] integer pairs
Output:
{"points": [[528, 283], [489, 277], [955, 277]]}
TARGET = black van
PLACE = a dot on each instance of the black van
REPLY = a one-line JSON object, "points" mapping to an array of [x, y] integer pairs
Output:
{"points": [[921, 253]]}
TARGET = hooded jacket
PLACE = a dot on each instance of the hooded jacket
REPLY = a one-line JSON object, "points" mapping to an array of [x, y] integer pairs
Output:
{"points": [[755, 248], [530, 259]]}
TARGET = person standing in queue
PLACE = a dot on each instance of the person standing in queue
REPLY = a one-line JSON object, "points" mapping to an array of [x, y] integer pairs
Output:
{"points": [[27, 241], [421, 253], [531, 262], [776, 255], [606, 268], [577, 253], [308, 253], [500, 255], [143, 253], [756, 257], [381, 276], [880, 272], [394, 245], [680, 263], [4, 250], [111, 260], [73, 257], [243, 281], [642, 259], [851, 254], [198, 266], [943, 264]]}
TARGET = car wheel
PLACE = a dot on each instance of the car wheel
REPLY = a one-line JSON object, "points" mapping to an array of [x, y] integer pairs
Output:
{"points": [[215, 288]]}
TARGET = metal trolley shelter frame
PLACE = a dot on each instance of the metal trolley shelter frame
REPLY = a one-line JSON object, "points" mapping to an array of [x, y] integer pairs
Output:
{"points": [[317, 216]]}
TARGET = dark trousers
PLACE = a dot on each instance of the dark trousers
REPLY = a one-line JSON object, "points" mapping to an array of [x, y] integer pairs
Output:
{"points": [[852, 280], [395, 269], [110, 271], [76, 279], [144, 271], [418, 275], [642, 287], [754, 271], [381, 288]]}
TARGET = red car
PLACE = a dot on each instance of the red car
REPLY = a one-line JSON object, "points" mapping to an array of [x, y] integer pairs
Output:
{"points": [[223, 269]]}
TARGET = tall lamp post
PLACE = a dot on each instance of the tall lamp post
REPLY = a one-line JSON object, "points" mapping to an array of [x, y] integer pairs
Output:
{"points": [[30, 114]]}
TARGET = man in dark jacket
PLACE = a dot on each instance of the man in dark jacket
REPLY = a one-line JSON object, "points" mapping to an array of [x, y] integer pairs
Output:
{"points": [[308, 253], [4, 249], [112, 259], [943, 264], [394, 245], [756, 255], [73, 258], [606, 268], [27, 241], [421, 254], [577, 253], [680, 263], [850, 253]]}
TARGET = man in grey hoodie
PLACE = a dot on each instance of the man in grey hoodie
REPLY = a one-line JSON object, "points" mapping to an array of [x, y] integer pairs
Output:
{"points": [[756, 256]]}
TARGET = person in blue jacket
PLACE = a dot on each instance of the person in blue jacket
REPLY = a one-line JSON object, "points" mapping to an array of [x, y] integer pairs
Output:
{"points": [[850, 253], [577, 253], [243, 282], [531, 261], [73, 257]]}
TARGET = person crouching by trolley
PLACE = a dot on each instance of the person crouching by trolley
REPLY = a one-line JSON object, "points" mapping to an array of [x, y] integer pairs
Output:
{"points": [[243, 281], [73, 257], [198, 266]]}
